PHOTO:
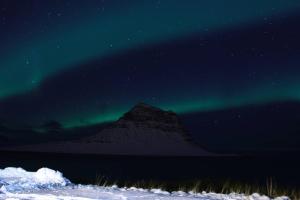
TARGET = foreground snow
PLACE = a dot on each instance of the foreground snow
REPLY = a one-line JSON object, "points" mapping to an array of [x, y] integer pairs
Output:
{"points": [[47, 184]]}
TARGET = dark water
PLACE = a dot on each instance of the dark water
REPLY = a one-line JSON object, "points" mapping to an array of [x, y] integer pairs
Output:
{"points": [[285, 170]]}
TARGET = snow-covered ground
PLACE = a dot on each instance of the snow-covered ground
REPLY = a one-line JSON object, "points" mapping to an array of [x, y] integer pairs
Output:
{"points": [[47, 184]]}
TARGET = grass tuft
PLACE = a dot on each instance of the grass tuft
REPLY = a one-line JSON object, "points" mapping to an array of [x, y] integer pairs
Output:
{"points": [[270, 188]]}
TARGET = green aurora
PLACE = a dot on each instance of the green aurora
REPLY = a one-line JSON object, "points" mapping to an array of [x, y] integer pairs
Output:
{"points": [[29, 62]]}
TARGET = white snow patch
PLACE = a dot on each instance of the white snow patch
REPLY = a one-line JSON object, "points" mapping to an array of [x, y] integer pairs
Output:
{"points": [[17, 179], [47, 184]]}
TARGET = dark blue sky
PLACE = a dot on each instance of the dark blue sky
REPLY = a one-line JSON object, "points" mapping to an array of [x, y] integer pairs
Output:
{"points": [[88, 62]]}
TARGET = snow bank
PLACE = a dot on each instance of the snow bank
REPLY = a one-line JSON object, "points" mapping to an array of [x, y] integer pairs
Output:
{"points": [[17, 179], [47, 184]]}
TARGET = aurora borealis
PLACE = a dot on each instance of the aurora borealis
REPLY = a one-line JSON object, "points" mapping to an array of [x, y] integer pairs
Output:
{"points": [[88, 62]]}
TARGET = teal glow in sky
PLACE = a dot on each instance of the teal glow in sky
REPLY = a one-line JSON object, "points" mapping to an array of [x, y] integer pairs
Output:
{"points": [[28, 62], [89, 63]]}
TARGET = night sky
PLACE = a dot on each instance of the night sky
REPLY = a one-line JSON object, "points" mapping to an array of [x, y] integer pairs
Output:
{"points": [[87, 62]]}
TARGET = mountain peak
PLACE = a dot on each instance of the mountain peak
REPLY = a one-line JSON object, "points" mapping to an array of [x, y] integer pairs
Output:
{"points": [[144, 107], [152, 117]]}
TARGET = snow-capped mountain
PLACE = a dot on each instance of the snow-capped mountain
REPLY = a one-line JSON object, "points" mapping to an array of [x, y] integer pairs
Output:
{"points": [[144, 130], [144, 124]]}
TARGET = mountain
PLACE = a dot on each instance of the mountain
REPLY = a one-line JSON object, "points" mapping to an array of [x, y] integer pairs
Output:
{"points": [[142, 124], [144, 130]]}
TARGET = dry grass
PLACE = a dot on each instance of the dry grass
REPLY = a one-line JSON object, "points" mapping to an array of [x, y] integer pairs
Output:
{"points": [[270, 188]]}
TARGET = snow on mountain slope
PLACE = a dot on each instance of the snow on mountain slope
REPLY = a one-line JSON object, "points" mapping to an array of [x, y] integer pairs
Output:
{"points": [[47, 184]]}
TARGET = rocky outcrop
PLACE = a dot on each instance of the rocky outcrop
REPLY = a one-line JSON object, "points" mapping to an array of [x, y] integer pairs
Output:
{"points": [[149, 117]]}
